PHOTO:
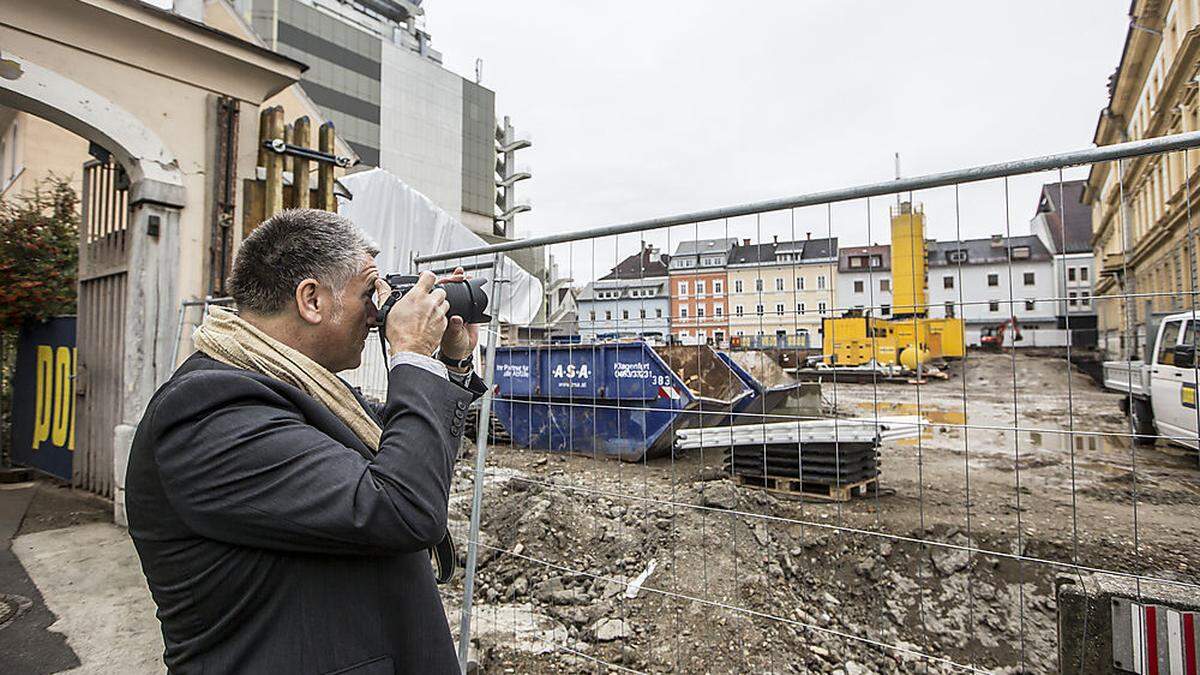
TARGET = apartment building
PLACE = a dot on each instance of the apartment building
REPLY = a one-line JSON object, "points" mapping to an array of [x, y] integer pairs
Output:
{"points": [[864, 280], [632, 300], [698, 302], [1063, 223], [778, 293], [986, 281], [1142, 243]]}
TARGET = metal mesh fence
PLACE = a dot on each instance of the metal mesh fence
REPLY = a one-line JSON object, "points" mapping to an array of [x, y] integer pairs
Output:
{"points": [[871, 429]]}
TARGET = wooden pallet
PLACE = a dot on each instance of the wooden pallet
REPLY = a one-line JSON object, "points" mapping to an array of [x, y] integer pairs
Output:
{"points": [[820, 491]]}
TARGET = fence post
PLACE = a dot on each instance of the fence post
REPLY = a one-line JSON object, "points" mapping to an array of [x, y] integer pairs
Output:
{"points": [[481, 437]]}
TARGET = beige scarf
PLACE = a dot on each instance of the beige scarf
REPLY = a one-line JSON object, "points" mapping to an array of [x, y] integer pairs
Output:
{"points": [[230, 339]]}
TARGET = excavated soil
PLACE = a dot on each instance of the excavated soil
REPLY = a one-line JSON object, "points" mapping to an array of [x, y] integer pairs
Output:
{"points": [[948, 565]]}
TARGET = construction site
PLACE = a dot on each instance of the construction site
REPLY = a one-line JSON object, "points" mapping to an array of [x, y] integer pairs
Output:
{"points": [[950, 555]]}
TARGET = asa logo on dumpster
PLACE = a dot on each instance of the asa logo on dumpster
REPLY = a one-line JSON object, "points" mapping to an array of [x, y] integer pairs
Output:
{"points": [[54, 397]]}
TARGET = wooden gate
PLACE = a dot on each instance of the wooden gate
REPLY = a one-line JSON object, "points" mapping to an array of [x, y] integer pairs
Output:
{"points": [[100, 332]]}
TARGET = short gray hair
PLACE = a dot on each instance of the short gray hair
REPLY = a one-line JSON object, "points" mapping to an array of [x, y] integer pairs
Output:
{"points": [[292, 246]]}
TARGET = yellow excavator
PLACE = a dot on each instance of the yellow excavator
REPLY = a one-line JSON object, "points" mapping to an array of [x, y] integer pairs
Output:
{"points": [[909, 338]]}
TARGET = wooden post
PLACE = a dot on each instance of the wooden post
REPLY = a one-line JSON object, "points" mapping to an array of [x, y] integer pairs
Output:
{"points": [[264, 126], [325, 200], [274, 186], [302, 136], [287, 137]]}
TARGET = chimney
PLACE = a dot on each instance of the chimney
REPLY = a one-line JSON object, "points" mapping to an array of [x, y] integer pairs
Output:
{"points": [[776, 238], [807, 235], [746, 241], [997, 240]]}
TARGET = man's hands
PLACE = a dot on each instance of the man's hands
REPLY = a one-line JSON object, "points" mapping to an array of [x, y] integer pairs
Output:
{"points": [[460, 338], [417, 322]]}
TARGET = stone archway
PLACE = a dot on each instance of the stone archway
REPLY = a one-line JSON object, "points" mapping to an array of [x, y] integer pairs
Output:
{"points": [[112, 377]]}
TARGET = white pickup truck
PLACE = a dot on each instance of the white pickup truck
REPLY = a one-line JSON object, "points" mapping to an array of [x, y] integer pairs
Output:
{"points": [[1161, 395]]}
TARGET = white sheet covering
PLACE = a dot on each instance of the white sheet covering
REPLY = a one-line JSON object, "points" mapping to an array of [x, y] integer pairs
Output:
{"points": [[406, 223]]}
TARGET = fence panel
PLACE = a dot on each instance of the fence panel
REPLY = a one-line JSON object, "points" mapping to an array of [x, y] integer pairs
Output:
{"points": [[657, 495]]}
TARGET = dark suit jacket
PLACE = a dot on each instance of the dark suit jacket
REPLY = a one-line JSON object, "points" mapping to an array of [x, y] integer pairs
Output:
{"points": [[274, 542]]}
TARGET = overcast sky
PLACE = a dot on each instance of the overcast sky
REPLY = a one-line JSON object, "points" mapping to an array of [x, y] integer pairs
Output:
{"points": [[647, 109]]}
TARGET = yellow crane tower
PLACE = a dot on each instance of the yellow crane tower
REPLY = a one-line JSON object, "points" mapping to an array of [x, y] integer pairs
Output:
{"points": [[910, 337]]}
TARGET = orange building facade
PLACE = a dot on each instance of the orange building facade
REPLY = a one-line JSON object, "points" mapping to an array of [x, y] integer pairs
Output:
{"points": [[699, 296]]}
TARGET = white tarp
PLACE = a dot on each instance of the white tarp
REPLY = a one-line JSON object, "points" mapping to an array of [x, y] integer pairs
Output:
{"points": [[404, 223]]}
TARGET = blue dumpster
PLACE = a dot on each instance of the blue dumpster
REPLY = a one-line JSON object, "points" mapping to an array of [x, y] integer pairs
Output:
{"points": [[763, 400], [623, 400]]}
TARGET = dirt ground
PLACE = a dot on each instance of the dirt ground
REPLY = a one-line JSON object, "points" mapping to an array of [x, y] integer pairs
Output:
{"points": [[953, 557]]}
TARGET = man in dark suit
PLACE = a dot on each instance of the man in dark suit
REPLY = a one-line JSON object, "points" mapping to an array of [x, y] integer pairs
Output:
{"points": [[274, 536]]}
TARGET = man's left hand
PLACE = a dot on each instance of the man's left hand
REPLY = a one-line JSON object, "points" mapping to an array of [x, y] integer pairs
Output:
{"points": [[459, 340]]}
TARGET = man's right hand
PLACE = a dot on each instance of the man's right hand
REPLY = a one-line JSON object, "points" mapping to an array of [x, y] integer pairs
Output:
{"points": [[417, 321]]}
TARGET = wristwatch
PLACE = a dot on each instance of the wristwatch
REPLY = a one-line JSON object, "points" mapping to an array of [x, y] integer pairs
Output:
{"points": [[456, 363]]}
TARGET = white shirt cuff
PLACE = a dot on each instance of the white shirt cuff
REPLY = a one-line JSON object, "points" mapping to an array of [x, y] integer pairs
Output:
{"points": [[419, 360]]}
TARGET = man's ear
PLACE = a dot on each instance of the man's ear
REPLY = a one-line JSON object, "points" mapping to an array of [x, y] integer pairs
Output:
{"points": [[308, 301]]}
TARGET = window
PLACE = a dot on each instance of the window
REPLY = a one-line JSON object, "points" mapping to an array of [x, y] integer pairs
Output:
{"points": [[658, 313], [947, 282], [718, 310], [737, 285], [1083, 274], [625, 314], [642, 313], [1085, 299], [800, 308], [779, 309], [876, 261], [684, 333], [1020, 253], [1071, 299], [993, 306], [1166, 351], [959, 256], [699, 287], [737, 310], [718, 287], [1029, 280], [683, 288], [820, 282], [1029, 305], [758, 309], [608, 316], [885, 285], [821, 307], [592, 314], [799, 283], [949, 310], [858, 286], [1070, 274], [993, 280], [856, 261], [740, 333], [700, 311], [779, 284], [758, 286], [885, 309], [683, 311]]}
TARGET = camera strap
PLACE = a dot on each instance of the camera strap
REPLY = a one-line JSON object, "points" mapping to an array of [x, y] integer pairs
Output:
{"points": [[443, 557]]}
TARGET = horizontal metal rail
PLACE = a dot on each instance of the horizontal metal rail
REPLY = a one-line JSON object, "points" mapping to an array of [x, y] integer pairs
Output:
{"points": [[1018, 167]]}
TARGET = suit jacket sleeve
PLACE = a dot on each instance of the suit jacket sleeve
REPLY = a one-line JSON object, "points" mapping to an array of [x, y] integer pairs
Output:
{"points": [[240, 464]]}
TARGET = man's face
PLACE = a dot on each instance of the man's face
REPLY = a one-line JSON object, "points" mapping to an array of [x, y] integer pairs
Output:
{"points": [[346, 331]]}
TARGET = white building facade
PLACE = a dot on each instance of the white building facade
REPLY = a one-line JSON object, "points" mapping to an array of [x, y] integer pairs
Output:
{"points": [[865, 280], [630, 301], [975, 281], [1063, 223]]}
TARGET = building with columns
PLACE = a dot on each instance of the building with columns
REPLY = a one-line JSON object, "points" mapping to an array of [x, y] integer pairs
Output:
{"points": [[1143, 240]]}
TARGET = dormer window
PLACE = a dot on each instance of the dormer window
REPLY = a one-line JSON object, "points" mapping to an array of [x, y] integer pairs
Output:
{"points": [[959, 256], [1020, 252]]}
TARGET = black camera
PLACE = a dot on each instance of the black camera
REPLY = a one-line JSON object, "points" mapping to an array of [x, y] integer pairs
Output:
{"points": [[466, 298]]}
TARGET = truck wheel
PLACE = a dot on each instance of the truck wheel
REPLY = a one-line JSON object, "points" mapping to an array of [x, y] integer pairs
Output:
{"points": [[1143, 423]]}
